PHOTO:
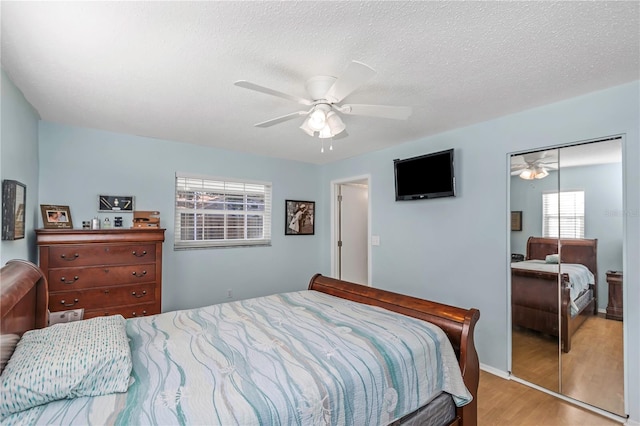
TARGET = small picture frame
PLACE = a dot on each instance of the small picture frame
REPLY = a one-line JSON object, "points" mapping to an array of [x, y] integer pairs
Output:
{"points": [[14, 199], [299, 217], [516, 221], [56, 217], [115, 203]]}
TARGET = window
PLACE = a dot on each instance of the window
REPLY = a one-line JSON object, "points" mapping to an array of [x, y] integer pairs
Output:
{"points": [[216, 212], [563, 214]]}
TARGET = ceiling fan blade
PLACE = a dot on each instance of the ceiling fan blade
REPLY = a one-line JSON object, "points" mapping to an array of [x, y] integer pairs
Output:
{"points": [[252, 86], [382, 111], [281, 119], [550, 166], [353, 77]]}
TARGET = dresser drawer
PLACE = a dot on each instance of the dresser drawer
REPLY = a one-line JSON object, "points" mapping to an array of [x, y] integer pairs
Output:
{"points": [[126, 311], [67, 279], [102, 298], [64, 256]]}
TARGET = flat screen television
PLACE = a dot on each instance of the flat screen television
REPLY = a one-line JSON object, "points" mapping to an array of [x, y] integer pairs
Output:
{"points": [[427, 176]]}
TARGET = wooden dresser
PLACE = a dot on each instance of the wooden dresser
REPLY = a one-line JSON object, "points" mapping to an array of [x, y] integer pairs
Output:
{"points": [[614, 306], [106, 272]]}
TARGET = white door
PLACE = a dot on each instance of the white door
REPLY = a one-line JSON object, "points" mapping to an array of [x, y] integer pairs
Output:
{"points": [[352, 232]]}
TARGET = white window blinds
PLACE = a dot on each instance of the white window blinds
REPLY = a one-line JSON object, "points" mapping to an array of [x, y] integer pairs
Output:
{"points": [[563, 214], [219, 212]]}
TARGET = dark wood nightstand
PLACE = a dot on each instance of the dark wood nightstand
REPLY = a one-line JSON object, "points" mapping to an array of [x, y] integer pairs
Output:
{"points": [[614, 307]]}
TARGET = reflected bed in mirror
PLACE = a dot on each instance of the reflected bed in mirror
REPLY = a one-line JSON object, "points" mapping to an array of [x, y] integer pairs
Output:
{"points": [[534, 287]]}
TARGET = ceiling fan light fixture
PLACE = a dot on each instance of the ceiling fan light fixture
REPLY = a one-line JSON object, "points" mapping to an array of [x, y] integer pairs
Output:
{"points": [[318, 117], [335, 123], [527, 174], [541, 173], [534, 173], [325, 133], [306, 128]]}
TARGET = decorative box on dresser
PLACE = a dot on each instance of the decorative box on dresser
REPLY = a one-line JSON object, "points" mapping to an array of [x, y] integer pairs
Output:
{"points": [[106, 272]]}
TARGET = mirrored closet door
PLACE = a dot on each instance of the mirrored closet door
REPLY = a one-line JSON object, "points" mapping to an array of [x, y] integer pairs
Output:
{"points": [[566, 253]]}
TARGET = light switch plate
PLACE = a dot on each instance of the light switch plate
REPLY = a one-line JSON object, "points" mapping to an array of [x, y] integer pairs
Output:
{"points": [[375, 240]]}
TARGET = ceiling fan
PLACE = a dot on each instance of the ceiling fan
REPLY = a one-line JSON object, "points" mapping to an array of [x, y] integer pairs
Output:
{"points": [[536, 165], [326, 94]]}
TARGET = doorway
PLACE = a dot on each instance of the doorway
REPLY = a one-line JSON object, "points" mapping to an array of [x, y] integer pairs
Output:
{"points": [[350, 223]]}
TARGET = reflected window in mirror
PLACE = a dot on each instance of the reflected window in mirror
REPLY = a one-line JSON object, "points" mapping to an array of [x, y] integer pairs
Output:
{"points": [[563, 214]]}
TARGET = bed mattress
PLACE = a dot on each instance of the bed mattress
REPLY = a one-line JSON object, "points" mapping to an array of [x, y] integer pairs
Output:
{"points": [[301, 358]]}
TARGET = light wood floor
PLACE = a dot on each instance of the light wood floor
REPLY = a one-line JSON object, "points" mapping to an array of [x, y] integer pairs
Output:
{"points": [[592, 372], [506, 402]]}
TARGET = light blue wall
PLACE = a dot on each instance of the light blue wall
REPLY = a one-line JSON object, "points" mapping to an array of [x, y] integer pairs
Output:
{"points": [[454, 250], [602, 185], [79, 164], [19, 161]]}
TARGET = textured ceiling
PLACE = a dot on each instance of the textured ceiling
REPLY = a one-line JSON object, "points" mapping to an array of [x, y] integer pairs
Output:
{"points": [[166, 69]]}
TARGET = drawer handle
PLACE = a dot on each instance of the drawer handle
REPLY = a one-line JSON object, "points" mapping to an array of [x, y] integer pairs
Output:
{"points": [[62, 302], [138, 296], [75, 256], [140, 315], [144, 252], [106, 292], [135, 274], [64, 280]]}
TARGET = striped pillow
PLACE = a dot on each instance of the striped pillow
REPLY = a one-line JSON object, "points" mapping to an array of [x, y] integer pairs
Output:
{"points": [[64, 361]]}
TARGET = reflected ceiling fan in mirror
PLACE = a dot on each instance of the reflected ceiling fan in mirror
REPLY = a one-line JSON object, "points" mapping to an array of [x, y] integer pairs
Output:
{"points": [[535, 165], [326, 94]]}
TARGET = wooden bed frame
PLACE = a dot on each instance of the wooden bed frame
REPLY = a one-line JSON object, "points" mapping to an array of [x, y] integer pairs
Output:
{"points": [[457, 323], [534, 294], [23, 306]]}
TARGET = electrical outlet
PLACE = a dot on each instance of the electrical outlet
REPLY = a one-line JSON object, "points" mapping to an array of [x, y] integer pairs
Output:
{"points": [[58, 317], [66, 316], [229, 294], [75, 314]]}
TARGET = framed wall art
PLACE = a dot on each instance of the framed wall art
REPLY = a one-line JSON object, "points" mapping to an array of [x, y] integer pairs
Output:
{"points": [[299, 217], [115, 203], [56, 217], [14, 200], [516, 221]]}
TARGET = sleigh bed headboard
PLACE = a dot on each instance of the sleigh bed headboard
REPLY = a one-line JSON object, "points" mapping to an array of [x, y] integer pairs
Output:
{"points": [[23, 294], [573, 250]]}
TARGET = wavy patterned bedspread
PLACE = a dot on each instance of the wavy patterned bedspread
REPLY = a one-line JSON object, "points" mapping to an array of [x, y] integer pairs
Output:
{"points": [[301, 358], [579, 275]]}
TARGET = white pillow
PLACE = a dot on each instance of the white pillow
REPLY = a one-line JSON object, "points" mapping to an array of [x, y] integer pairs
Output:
{"points": [[8, 344], [552, 258], [67, 360]]}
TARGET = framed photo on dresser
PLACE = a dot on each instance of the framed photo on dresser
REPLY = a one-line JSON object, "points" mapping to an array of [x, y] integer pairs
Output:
{"points": [[56, 217]]}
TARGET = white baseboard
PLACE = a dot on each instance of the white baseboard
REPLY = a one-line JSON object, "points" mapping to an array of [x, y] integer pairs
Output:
{"points": [[630, 422], [489, 369], [602, 311]]}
